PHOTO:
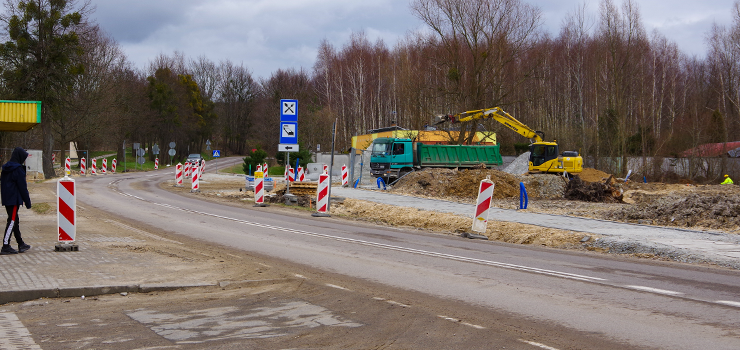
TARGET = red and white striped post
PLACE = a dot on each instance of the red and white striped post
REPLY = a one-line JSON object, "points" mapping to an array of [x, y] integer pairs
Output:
{"points": [[67, 167], [187, 170], [66, 210], [259, 169], [113, 166], [322, 196], [195, 184], [326, 167], [345, 176], [286, 174], [202, 167], [104, 168], [291, 174], [264, 170], [178, 175], [83, 167], [300, 176], [259, 189], [53, 157], [93, 166], [156, 163], [483, 206]]}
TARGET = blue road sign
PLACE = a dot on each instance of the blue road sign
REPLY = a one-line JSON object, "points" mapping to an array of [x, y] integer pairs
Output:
{"points": [[289, 111], [216, 153], [288, 132]]}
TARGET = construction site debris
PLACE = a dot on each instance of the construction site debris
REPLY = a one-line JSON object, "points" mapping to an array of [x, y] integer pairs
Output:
{"points": [[604, 192]]}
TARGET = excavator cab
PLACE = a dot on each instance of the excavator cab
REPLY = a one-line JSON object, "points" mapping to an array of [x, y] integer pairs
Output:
{"points": [[542, 152]]}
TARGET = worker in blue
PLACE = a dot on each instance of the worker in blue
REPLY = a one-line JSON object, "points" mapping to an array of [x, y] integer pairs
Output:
{"points": [[14, 193], [728, 180]]}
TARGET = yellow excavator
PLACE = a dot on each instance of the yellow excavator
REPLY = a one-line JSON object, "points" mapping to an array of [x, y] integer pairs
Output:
{"points": [[543, 157]]}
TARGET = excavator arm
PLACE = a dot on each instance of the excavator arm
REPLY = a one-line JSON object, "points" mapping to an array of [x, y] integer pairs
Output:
{"points": [[497, 114]]}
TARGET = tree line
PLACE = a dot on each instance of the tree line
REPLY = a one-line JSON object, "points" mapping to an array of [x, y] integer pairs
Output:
{"points": [[603, 85]]}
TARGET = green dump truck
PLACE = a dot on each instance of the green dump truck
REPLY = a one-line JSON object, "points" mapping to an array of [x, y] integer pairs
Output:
{"points": [[392, 158]]}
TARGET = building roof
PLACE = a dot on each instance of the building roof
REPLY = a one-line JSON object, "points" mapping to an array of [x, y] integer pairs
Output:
{"points": [[711, 149]]}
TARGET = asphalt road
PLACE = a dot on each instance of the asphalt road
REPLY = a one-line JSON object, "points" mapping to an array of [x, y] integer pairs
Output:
{"points": [[552, 299]]}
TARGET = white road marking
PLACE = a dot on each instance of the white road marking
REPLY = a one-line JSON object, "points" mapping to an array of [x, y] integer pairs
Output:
{"points": [[654, 290], [396, 303], [14, 335], [461, 322], [539, 345], [554, 273], [300, 276], [336, 286], [728, 302]]}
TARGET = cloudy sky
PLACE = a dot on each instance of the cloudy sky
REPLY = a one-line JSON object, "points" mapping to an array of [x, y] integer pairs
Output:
{"points": [[266, 35]]}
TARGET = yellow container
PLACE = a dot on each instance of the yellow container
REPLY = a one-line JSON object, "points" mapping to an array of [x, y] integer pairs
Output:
{"points": [[19, 115]]}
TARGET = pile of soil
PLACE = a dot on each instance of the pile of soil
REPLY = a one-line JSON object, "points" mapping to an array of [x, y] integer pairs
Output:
{"points": [[463, 184], [713, 207], [602, 192]]}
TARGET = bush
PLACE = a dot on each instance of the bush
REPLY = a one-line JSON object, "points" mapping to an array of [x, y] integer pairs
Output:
{"points": [[257, 156]]}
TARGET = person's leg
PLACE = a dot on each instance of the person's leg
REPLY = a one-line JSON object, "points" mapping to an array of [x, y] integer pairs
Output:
{"points": [[12, 212]]}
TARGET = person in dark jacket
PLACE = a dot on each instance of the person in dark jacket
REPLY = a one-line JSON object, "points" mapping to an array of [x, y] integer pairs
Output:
{"points": [[14, 193]]}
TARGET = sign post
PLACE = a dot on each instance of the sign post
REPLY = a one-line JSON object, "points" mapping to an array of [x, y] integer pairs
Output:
{"points": [[288, 131]]}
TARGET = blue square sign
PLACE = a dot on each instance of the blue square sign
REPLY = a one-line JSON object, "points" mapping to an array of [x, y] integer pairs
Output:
{"points": [[216, 153], [288, 132], [289, 111]]}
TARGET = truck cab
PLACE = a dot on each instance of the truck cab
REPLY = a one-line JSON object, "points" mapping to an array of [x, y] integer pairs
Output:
{"points": [[391, 156]]}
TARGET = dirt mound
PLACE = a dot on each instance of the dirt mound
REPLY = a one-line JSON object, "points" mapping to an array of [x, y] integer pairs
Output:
{"points": [[713, 207], [453, 183], [593, 175], [601, 191]]}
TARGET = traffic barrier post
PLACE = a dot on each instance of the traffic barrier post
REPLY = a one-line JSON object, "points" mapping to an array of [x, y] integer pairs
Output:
{"points": [[83, 167], [67, 167], [104, 168], [156, 163], [195, 184], [178, 175], [345, 176], [113, 166], [482, 208], [259, 189], [322, 196], [301, 174], [187, 170], [93, 166], [66, 215], [291, 174]]}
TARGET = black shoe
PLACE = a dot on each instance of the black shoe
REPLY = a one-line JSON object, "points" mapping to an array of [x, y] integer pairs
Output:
{"points": [[8, 250], [23, 248]]}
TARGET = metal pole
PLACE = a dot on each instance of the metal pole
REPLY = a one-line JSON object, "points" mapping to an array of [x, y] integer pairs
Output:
{"points": [[331, 165], [124, 156], [287, 164]]}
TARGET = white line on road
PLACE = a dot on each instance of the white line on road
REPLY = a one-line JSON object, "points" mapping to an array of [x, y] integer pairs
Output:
{"points": [[728, 302], [654, 290], [539, 345], [461, 322], [336, 286]]}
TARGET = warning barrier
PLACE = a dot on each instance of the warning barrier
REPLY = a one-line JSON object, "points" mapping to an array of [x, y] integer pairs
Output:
{"points": [[178, 174], [67, 166], [156, 163], [322, 194], [482, 208], [301, 176], [345, 175], [202, 167], [53, 157], [104, 168], [187, 170], [66, 209], [83, 167], [291, 174], [326, 167], [264, 170], [259, 189], [113, 166], [93, 166], [195, 184]]}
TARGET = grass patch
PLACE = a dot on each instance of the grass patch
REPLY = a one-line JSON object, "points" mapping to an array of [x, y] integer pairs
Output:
{"points": [[41, 208]]}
